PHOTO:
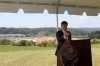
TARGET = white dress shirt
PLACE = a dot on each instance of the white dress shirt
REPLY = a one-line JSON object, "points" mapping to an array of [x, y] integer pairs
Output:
{"points": [[64, 35]]}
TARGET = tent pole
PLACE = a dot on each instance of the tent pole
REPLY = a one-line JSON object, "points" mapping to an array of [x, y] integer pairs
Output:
{"points": [[57, 7], [57, 18]]}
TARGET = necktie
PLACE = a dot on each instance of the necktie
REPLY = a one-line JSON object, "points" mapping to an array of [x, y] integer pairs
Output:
{"points": [[66, 38]]}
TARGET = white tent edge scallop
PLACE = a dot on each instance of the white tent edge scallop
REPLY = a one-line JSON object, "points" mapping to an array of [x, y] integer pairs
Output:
{"points": [[30, 8]]}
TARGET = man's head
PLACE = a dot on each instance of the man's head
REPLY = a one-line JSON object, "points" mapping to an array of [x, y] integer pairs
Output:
{"points": [[64, 25], [69, 56]]}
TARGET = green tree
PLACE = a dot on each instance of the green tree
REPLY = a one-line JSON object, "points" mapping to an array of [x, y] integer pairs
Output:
{"points": [[22, 43], [94, 35], [5, 42]]}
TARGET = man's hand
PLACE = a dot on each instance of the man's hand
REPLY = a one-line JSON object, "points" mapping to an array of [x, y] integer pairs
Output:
{"points": [[66, 34]]}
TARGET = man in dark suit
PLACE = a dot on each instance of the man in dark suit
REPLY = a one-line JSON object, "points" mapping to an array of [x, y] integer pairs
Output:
{"points": [[62, 35]]}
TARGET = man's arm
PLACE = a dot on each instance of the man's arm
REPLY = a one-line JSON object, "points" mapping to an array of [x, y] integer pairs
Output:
{"points": [[60, 37], [69, 37]]}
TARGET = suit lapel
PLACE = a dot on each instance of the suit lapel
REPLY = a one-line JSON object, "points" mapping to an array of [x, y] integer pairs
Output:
{"points": [[61, 32]]}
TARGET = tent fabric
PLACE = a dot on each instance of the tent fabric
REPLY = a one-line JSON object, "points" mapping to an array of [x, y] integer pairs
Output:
{"points": [[74, 7]]}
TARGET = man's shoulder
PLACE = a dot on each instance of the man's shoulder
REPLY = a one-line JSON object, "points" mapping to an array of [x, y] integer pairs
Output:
{"points": [[68, 31], [59, 31]]}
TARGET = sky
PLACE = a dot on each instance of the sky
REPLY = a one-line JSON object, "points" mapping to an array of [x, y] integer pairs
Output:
{"points": [[39, 20]]}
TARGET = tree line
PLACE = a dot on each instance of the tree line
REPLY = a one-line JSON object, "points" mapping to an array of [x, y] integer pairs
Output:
{"points": [[94, 35], [49, 32], [40, 31]]}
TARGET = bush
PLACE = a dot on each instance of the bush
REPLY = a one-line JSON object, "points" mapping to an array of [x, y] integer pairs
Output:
{"points": [[24, 43], [43, 44], [5, 42], [95, 41], [32, 43], [12, 43], [47, 44]]}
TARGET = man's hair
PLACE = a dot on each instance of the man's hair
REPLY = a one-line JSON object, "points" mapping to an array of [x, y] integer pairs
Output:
{"points": [[69, 55], [64, 22]]}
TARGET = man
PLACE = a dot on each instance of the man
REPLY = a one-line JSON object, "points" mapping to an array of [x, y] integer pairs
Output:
{"points": [[69, 56], [62, 35]]}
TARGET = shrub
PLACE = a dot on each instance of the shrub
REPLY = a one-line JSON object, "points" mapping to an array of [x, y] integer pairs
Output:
{"points": [[43, 44], [5, 42], [24, 43], [28, 43], [95, 41], [12, 43], [47, 44]]}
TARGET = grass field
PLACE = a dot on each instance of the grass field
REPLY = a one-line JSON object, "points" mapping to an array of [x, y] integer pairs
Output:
{"points": [[36, 56], [96, 54]]}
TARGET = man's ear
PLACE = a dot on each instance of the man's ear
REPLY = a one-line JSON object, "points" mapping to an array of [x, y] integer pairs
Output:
{"points": [[76, 60]]}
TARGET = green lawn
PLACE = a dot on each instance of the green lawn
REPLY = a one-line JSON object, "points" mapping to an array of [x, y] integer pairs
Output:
{"points": [[4, 48], [95, 45], [36, 56], [96, 54], [28, 58]]}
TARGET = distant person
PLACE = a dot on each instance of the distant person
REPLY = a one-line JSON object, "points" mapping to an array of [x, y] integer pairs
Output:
{"points": [[69, 56], [62, 35]]}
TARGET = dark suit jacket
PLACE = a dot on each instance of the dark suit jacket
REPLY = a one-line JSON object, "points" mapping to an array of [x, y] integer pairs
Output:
{"points": [[60, 39]]}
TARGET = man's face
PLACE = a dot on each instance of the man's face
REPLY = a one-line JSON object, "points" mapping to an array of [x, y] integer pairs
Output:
{"points": [[64, 27]]}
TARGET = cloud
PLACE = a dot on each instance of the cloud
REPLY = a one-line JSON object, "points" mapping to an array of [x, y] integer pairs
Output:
{"points": [[17, 16], [6, 14], [83, 17], [43, 18], [37, 19], [98, 16]]}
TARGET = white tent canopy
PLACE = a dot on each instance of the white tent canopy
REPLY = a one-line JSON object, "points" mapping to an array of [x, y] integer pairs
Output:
{"points": [[75, 7]]}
